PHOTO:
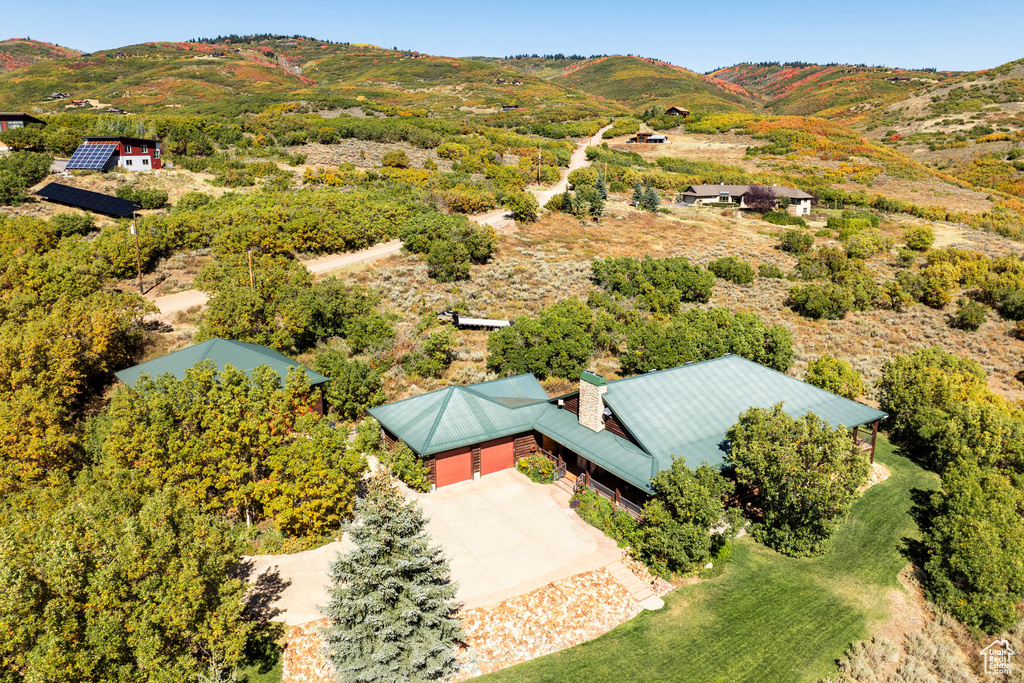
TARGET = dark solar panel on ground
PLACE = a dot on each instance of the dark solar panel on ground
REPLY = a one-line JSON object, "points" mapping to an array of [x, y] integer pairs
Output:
{"points": [[90, 157], [90, 201]]}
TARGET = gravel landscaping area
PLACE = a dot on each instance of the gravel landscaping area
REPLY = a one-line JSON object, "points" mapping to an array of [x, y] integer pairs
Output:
{"points": [[559, 615]]}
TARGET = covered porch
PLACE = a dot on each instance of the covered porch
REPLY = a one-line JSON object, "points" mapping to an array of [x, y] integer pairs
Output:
{"points": [[575, 472]]}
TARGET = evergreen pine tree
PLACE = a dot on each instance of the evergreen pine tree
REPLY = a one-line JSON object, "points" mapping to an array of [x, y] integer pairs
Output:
{"points": [[601, 188], [392, 602], [651, 199], [638, 195]]}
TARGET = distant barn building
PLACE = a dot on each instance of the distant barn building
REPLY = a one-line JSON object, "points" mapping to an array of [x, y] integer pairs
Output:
{"points": [[102, 153], [677, 111]]}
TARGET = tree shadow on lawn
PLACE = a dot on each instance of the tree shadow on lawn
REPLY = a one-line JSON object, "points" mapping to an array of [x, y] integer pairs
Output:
{"points": [[263, 649], [914, 549]]}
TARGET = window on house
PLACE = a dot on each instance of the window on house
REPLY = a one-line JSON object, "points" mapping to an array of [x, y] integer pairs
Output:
{"points": [[145, 162], [145, 149], [127, 149], [127, 162]]}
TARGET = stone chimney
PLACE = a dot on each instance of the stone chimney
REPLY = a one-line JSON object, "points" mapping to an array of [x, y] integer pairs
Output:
{"points": [[592, 388]]}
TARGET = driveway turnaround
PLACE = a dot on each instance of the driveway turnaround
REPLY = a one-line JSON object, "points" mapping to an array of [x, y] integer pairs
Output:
{"points": [[502, 534]]}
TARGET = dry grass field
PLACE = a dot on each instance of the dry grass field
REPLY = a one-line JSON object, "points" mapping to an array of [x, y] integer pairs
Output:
{"points": [[549, 260]]}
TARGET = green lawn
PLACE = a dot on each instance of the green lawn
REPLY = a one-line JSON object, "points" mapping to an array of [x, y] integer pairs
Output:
{"points": [[769, 617]]}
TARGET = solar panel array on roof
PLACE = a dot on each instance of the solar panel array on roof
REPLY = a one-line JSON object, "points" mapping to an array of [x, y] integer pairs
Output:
{"points": [[91, 157], [90, 201]]}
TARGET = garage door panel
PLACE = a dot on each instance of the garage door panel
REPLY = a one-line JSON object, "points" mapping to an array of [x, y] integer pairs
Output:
{"points": [[497, 455], [453, 466]]}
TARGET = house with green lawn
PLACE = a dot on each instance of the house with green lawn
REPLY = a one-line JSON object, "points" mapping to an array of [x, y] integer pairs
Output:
{"points": [[612, 436]]}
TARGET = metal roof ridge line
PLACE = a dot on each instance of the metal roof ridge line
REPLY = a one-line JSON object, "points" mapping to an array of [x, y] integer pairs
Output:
{"points": [[440, 414]]}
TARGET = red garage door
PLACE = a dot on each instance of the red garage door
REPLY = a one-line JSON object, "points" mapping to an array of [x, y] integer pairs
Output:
{"points": [[454, 466], [497, 455]]}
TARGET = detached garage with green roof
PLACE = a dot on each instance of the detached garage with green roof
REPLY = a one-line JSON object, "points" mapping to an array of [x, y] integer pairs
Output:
{"points": [[222, 352], [615, 435]]}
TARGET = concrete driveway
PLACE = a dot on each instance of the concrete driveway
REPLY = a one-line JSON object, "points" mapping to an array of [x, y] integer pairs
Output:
{"points": [[505, 535], [502, 534]]}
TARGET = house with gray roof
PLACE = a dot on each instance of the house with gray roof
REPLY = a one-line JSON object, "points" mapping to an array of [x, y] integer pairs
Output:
{"points": [[611, 435], [700, 195]]}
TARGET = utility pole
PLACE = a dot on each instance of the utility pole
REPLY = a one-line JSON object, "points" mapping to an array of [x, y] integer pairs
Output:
{"points": [[252, 277], [138, 257], [538, 164]]}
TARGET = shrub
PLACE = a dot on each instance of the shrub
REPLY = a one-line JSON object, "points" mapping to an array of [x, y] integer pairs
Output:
{"points": [[905, 257], [827, 301], [192, 200], [407, 466], [675, 534], [657, 285], [975, 516], [783, 218], [73, 223], [538, 468], [775, 456], [396, 158], [970, 315], [149, 198], [796, 241], [854, 220], [435, 355], [863, 245], [522, 204], [558, 342], [835, 375], [600, 512], [919, 237], [770, 271], [702, 334], [355, 386], [448, 261], [940, 282], [732, 269]]}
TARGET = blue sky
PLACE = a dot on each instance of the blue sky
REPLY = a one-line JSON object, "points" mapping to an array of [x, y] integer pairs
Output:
{"points": [[908, 33]]}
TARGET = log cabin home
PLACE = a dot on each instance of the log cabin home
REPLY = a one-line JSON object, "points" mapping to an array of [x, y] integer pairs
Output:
{"points": [[610, 436]]}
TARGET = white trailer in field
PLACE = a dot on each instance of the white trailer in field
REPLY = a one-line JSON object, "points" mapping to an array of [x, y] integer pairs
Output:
{"points": [[465, 323]]}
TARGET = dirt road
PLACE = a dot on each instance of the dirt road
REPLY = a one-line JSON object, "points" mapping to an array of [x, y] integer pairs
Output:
{"points": [[579, 160], [500, 219], [181, 301]]}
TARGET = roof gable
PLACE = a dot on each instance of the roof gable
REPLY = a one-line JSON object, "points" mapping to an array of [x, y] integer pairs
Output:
{"points": [[222, 352], [460, 415]]}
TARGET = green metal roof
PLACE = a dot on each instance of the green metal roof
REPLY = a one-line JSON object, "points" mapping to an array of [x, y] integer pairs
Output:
{"points": [[463, 415], [613, 453], [686, 411], [244, 356]]}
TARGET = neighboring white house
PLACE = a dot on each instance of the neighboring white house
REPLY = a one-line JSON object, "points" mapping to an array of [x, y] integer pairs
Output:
{"points": [[698, 195]]}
